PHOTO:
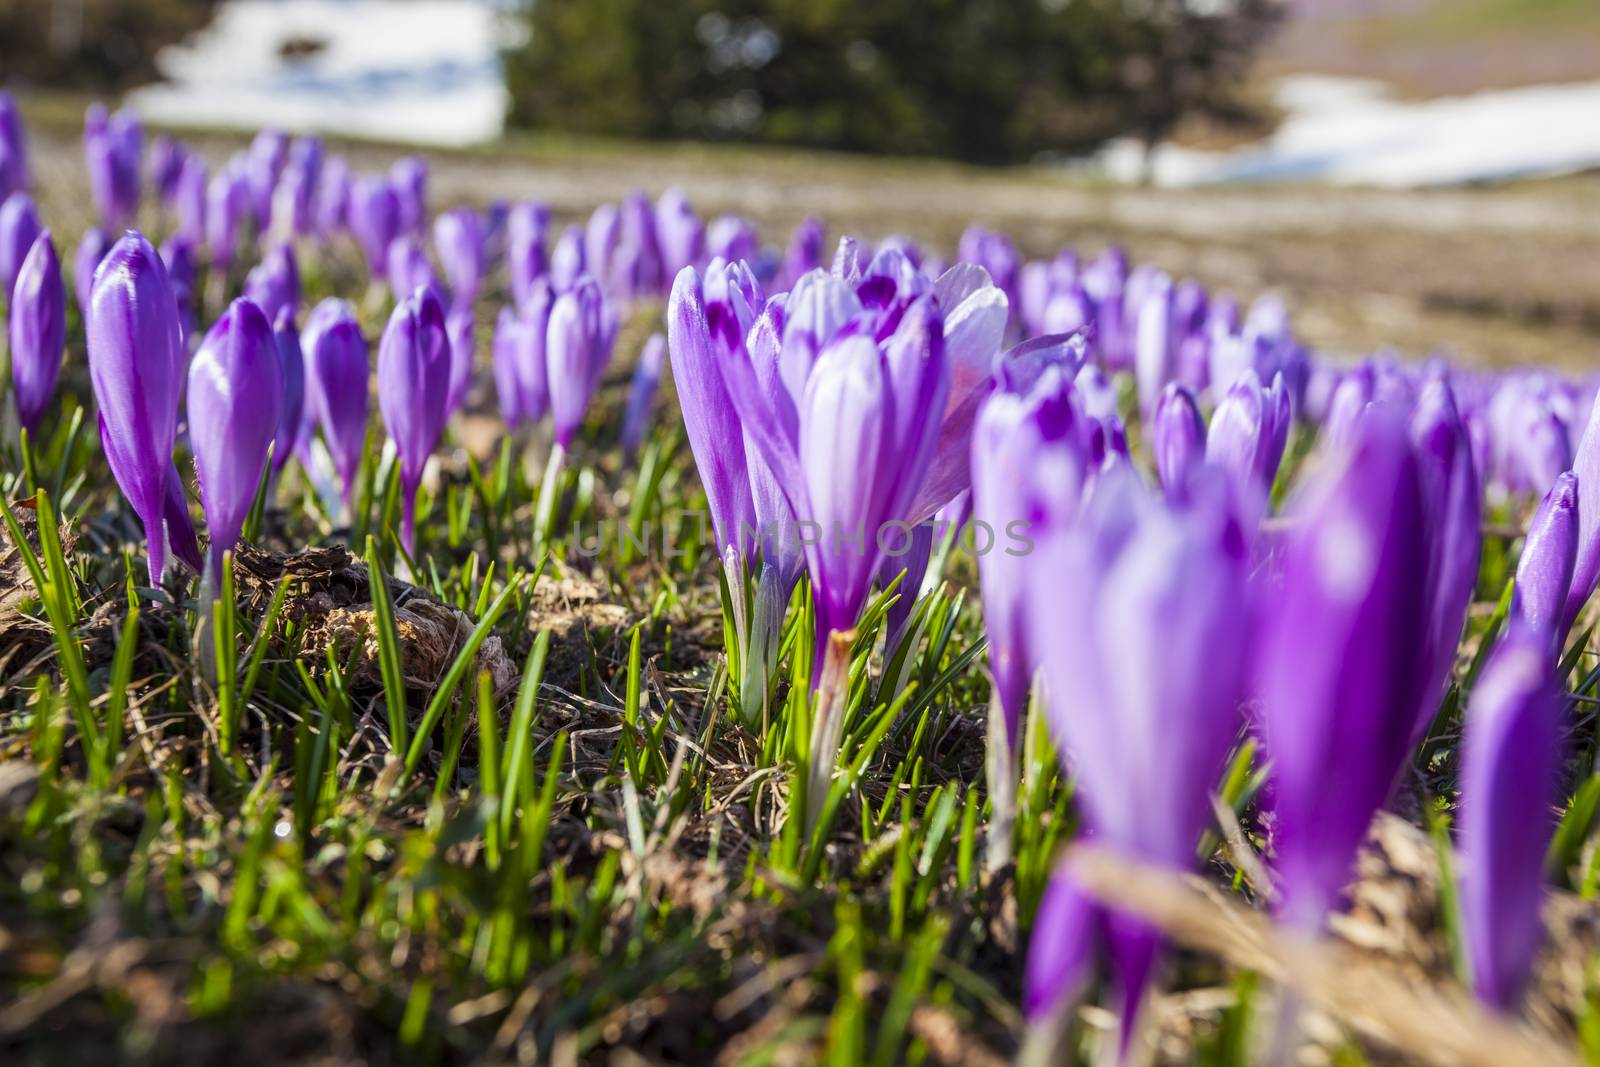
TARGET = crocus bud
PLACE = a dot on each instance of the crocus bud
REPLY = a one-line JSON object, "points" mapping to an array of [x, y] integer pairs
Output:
{"points": [[1177, 436], [733, 239], [1248, 433], [1134, 616], [526, 227], [112, 147], [13, 148], [458, 241], [1029, 447], [409, 177], [1452, 509], [374, 220], [1155, 342], [136, 366], [413, 386], [292, 410], [507, 389], [91, 250], [336, 375], [408, 267], [294, 201], [274, 283], [1336, 658], [601, 237], [19, 229], [681, 233], [529, 354], [995, 253], [804, 252], [38, 321], [189, 200], [264, 161], [1586, 569], [333, 197], [167, 157], [1509, 768], [642, 394], [582, 330], [567, 260], [458, 330], [1544, 573], [710, 420], [235, 405], [227, 209], [641, 248]]}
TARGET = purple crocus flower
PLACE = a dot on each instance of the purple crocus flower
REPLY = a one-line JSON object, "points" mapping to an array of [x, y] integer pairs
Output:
{"points": [[568, 261], [1248, 433], [294, 202], [136, 366], [526, 229], [642, 394], [640, 251], [374, 215], [1586, 570], [601, 238], [459, 242], [336, 384], [1155, 342], [503, 356], [1452, 509], [1509, 765], [292, 409], [189, 200], [1337, 658], [274, 284], [13, 148], [582, 331], [681, 234], [38, 326], [112, 146], [458, 331], [333, 197], [995, 253], [1029, 448], [1134, 615], [529, 364], [264, 162], [1177, 436], [697, 328], [227, 209], [413, 386], [408, 267], [409, 178], [167, 156], [1544, 573], [20, 227], [804, 253], [235, 401], [732, 238]]}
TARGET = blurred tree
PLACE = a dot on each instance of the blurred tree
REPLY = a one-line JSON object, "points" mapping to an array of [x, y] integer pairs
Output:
{"points": [[95, 45], [983, 80]]}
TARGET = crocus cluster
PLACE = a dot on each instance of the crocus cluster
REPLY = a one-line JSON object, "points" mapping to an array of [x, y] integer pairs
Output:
{"points": [[1213, 533]]}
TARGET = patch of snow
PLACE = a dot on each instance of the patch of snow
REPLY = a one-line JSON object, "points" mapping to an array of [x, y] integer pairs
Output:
{"points": [[1349, 131], [423, 71]]}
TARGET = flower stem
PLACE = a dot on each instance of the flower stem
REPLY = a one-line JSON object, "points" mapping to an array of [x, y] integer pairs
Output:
{"points": [[827, 727]]}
